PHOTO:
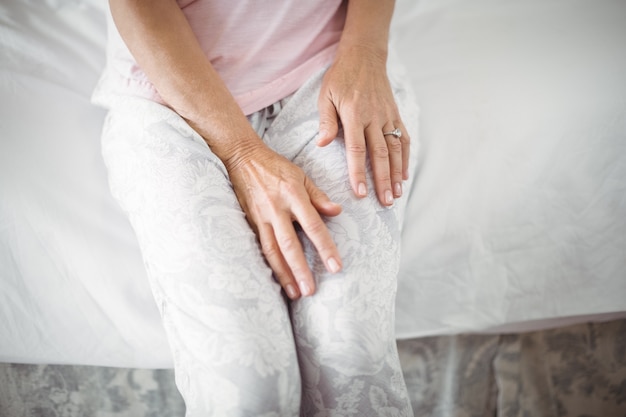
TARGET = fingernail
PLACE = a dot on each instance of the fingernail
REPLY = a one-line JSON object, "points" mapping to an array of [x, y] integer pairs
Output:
{"points": [[398, 188], [333, 265], [291, 291], [305, 289], [362, 190], [388, 197]]}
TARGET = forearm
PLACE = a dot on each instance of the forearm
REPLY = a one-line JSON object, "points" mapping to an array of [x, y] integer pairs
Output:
{"points": [[161, 40], [367, 27]]}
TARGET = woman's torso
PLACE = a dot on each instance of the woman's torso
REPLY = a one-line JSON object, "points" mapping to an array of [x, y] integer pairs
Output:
{"points": [[263, 50]]}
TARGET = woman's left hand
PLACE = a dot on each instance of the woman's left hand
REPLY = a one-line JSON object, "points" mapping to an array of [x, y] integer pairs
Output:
{"points": [[356, 91]]}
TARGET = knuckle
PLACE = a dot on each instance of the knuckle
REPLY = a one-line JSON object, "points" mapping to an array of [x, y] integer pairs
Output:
{"points": [[325, 122], [299, 271], [315, 227], [380, 151], [394, 146], [315, 193], [383, 180], [288, 243], [396, 172], [290, 188], [359, 172], [356, 149], [270, 250], [351, 109]]}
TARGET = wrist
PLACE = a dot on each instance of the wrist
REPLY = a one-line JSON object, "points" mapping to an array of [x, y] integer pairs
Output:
{"points": [[367, 26], [239, 153], [364, 52], [231, 139]]}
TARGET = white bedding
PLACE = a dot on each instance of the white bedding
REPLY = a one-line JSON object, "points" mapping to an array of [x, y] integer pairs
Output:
{"points": [[517, 219]]}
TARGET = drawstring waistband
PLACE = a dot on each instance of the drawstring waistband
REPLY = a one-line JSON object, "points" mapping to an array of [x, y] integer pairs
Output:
{"points": [[262, 119]]}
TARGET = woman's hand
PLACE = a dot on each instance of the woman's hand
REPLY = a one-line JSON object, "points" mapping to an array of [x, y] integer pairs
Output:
{"points": [[356, 90], [274, 193]]}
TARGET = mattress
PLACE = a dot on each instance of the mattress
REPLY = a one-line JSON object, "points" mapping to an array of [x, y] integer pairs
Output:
{"points": [[516, 219]]}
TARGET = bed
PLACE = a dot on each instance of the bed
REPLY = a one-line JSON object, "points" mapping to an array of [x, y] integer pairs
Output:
{"points": [[516, 220]]}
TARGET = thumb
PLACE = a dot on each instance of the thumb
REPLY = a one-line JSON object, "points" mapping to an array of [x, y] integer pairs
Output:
{"points": [[329, 124], [320, 200]]}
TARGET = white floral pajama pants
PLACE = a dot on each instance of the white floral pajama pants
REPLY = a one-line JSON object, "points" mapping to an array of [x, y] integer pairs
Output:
{"points": [[239, 347]]}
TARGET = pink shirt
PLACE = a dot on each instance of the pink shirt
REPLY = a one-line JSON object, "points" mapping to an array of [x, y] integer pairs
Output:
{"points": [[263, 50]]}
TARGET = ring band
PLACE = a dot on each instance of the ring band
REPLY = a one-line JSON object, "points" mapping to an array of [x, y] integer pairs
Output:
{"points": [[395, 132]]}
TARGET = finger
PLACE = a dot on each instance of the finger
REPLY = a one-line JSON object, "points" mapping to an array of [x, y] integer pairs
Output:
{"points": [[292, 252], [356, 154], [329, 123], [379, 157], [405, 140], [277, 262], [394, 147], [320, 200], [317, 232]]}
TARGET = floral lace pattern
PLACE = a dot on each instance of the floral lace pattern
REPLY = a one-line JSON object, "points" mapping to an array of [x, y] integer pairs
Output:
{"points": [[239, 347]]}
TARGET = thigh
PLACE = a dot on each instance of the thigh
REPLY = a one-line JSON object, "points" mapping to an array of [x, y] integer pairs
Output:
{"points": [[345, 332], [367, 234], [224, 315]]}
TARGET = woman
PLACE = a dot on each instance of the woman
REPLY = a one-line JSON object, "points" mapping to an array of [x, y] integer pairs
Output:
{"points": [[254, 142]]}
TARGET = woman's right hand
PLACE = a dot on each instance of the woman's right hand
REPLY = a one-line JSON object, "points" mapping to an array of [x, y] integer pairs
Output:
{"points": [[274, 193]]}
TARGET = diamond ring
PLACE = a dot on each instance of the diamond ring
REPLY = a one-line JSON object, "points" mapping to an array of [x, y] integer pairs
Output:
{"points": [[395, 132]]}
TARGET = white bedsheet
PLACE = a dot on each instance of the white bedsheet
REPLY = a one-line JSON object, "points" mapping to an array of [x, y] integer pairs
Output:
{"points": [[519, 210], [517, 219]]}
